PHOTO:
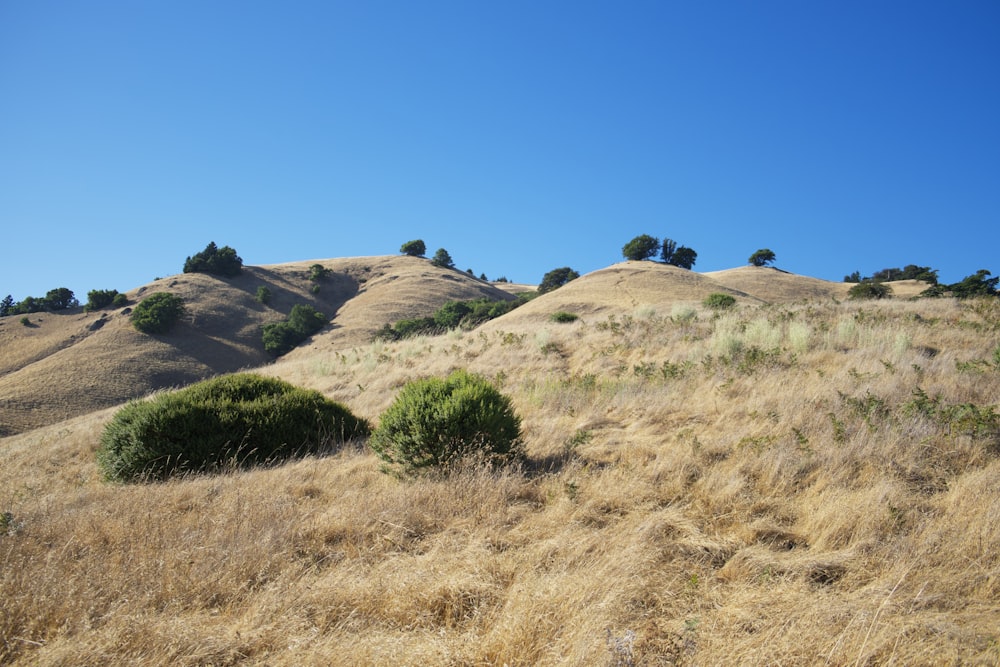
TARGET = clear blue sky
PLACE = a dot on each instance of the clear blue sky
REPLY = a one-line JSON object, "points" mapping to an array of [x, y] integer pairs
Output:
{"points": [[520, 135]]}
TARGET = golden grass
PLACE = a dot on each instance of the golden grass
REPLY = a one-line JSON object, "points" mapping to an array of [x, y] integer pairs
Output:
{"points": [[758, 487]]}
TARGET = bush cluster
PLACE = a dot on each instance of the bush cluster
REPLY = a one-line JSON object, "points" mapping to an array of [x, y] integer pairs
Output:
{"points": [[870, 289], [465, 314], [102, 298], [157, 313], [280, 337], [228, 422], [719, 301], [60, 298], [214, 260], [434, 423]]}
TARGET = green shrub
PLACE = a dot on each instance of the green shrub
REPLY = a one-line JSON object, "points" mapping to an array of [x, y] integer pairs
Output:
{"points": [[227, 422], [263, 295], [100, 298], [26, 321], [719, 301], [120, 301], [869, 289], [318, 272], [564, 317], [157, 313], [434, 423], [416, 248], [280, 337], [214, 260]]}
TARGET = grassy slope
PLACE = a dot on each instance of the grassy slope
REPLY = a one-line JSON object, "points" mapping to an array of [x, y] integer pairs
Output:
{"points": [[751, 488], [70, 364]]}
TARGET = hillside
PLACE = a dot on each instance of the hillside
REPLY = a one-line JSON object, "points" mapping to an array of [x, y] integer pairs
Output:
{"points": [[805, 483], [71, 363]]}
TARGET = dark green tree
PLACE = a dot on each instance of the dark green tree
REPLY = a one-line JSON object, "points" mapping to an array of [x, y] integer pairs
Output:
{"points": [[216, 261], [60, 298], [100, 298], [556, 278], [971, 286], [684, 257], [762, 257], [443, 259], [667, 250], [640, 248], [7, 306], [415, 248], [450, 314], [157, 313], [280, 337], [870, 289]]}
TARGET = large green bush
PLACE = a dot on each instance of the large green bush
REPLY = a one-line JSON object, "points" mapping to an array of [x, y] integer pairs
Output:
{"points": [[869, 289], [435, 422], [719, 301], [157, 313], [227, 422]]}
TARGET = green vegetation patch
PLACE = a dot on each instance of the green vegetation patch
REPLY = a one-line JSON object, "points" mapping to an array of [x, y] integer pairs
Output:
{"points": [[157, 313], [434, 423], [233, 421]]}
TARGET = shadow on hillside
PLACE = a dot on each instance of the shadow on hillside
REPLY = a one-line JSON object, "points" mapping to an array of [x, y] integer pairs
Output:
{"points": [[334, 290]]}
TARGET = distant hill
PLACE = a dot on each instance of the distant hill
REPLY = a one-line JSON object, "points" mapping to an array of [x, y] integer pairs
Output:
{"points": [[71, 363]]}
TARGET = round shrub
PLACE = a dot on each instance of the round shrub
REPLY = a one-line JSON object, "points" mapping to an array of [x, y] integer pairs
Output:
{"points": [[434, 423], [868, 289], [563, 317], [719, 301], [227, 422], [157, 313]]}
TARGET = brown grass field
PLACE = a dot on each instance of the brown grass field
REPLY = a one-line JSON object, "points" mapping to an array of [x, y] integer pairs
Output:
{"points": [[801, 480]]}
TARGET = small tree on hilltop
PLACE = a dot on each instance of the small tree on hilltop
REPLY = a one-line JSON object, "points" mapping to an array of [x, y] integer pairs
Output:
{"points": [[762, 257], [684, 257], [641, 247], [443, 259], [415, 248], [556, 278], [7, 305], [668, 248], [215, 260], [61, 298]]}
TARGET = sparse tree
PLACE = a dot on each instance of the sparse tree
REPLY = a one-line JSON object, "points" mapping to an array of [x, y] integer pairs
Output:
{"points": [[684, 257], [556, 278], [416, 248], [762, 257], [870, 289], [7, 305], [443, 259], [667, 250], [641, 247]]}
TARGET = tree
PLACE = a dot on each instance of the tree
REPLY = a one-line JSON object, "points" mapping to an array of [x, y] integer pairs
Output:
{"points": [[443, 259], [7, 306], [870, 289], [215, 260], [971, 286], [640, 248], [669, 247], [762, 257], [60, 298], [684, 257], [556, 278], [415, 248], [157, 312], [100, 298]]}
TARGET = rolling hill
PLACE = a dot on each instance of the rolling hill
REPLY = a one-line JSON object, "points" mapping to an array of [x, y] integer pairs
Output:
{"points": [[797, 480]]}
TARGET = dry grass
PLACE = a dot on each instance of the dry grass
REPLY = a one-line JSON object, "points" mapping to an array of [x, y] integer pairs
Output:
{"points": [[761, 487]]}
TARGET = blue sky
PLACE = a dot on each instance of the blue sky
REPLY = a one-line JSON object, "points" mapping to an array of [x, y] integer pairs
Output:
{"points": [[520, 135]]}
